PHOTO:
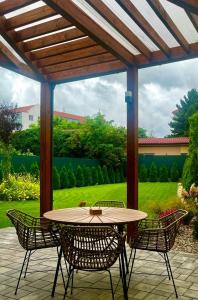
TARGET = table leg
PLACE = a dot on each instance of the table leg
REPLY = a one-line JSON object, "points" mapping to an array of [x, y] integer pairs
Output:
{"points": [[124, 285], [57, 270]]}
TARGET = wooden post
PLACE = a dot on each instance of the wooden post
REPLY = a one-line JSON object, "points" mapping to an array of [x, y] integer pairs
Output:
{"points": [[46, 151], [132, 141]]}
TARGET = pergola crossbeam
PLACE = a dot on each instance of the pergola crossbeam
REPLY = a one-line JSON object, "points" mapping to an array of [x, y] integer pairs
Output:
{"points": [[9, 6], [189, 5]]}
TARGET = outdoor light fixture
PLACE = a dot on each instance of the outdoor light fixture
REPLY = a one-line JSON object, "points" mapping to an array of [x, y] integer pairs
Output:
{"points": [[128, 96]]}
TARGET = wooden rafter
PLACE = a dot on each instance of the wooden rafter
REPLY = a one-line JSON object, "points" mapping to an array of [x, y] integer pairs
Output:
{"points": [[120, 26], [41, 29], [10, 39], [52, 39], [73, 55], [63, 48], [81, 20], [33, 15], [9, 6], [133, 12], [168, 22], [189, 5], [87, 72], [194, 19]]}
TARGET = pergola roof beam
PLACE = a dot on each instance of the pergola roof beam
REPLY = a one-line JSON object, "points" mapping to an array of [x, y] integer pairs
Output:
{"points": [[52, 39], [134, 13], [189, 5], [43, 28], [9, 6], [82, 21], [120, 26], [194, 19], [168, 22]]}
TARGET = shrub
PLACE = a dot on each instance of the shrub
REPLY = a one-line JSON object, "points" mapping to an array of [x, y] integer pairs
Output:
{"points": [[163, 174], [87, 176], [122, 179], [63, 178], [19, 188], [22, 170], [100, 176], [71, 178], [195, 227], [153, 172], [1, 172], [79, 177], [94, 175], [174, 172], [117, 176], [56, 179], [105, 175], [143, 173], [111, 175], [34, 170]]}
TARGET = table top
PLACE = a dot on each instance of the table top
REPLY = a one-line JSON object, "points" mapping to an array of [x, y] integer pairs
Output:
{"points": [[82, 216]]}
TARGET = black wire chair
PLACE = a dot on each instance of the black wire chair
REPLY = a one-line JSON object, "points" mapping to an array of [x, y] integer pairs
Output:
{"points": [[33, 234], [90, 248], [109, 203], [158, 236]]}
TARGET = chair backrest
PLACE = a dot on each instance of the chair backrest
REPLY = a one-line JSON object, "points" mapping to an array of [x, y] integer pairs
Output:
{"points": [[21, 221], [171, 224], [91, 247], [109, 203]]}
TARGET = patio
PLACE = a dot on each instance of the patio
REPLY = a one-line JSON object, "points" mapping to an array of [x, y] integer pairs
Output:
{"points": [[143, 286]]}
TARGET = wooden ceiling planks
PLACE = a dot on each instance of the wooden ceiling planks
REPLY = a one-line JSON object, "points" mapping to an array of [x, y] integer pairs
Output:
{"points": [[168, 22], [9, 6], [189, 5], [194, 19]]}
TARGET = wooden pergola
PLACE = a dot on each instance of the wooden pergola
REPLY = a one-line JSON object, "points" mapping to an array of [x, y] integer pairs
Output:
{"points": [[57, 41]]}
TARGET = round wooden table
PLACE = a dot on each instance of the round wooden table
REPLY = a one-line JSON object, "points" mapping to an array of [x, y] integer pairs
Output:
{"points": [[110, 216], [82, 216]]}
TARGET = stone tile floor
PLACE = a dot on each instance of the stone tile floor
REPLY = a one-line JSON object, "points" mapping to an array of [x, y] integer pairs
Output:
{"points": [[151, 284]]}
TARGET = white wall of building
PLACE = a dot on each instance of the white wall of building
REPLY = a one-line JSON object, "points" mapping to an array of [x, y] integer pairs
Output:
{"points": [[30, 117]]}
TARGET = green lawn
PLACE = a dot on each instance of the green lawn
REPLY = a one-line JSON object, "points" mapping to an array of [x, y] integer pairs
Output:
{"points": [[150, 196]]}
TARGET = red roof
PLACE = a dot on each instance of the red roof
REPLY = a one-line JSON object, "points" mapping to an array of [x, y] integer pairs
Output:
{"points": [[69, 116], [23, 109], [163, 141]]}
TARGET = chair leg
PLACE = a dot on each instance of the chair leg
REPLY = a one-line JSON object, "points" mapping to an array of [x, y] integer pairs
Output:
{"points": [[111, 283], [133, 260], [24, 260], [171, 274], [68, 280], [27, 264], [126, 261], [167, 266], [72, 283]]}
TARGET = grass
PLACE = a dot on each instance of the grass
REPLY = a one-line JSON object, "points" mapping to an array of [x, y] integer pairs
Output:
{"points": [[151, 195]]}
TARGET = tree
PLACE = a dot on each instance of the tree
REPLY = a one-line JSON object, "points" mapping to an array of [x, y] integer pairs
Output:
{"points": [[111, 175], [71, 178], [100, 176], [187, 107], [1, 172], [143, 174], [190, 170], [117, 176], [35, 170], [94, 175], [174, 173], [163, 174], [87, 176], [121, 169], [56, 179], [142, 133], [8, 122], [63, 178], [79, 177], [105, 175], [153, 172]]}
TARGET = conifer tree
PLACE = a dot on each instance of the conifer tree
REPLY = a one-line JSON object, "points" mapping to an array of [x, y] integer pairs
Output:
{"points": [[117, 176], [105, 174], [174, 173], [1, 173], [71, 178], [122, 179], [56, 179], [22, 170], [163, 174], [79, 177], [100, 176], [63, 178], [94, 175], [143, 173], [111, 175], [153, 172], [34, 170]]}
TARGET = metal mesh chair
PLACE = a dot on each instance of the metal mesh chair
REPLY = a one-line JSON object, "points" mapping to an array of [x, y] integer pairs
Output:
{"points": [[158, 236], [33, 234], [90, 248], [109, 203]]}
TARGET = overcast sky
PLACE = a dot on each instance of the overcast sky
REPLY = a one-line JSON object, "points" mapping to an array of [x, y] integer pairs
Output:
{"points": [[160, 89]]}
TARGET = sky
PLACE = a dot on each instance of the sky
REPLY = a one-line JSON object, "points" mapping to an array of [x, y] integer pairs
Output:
{"points": [[160, 89]]}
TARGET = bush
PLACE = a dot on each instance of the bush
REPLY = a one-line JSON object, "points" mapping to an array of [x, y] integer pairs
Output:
{"points": [[163, 174], [195, 227], [56, 179], [35, 170], [19, 188], [94, 175], [63, 178], [71, 178], [117, 176], [87, 176], [122, 179], [111, 175], [79, 177], [1, 172], [153, 173], [174, 173], [100, 176], [105, 175], [22, 170], [143, 173]]}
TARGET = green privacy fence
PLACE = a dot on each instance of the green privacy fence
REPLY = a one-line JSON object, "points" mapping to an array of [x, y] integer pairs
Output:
{"points": [[161, 160], [59, 162]]}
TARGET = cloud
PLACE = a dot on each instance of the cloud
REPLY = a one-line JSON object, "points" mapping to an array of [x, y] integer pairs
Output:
{"points": [[160, 89]]}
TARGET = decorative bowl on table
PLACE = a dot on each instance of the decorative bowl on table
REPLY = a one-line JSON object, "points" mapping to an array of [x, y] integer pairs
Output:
{"points": [[95, 211]]}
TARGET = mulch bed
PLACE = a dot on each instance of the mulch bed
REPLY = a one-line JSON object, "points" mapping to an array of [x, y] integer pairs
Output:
{"points": [[184, 241]]}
